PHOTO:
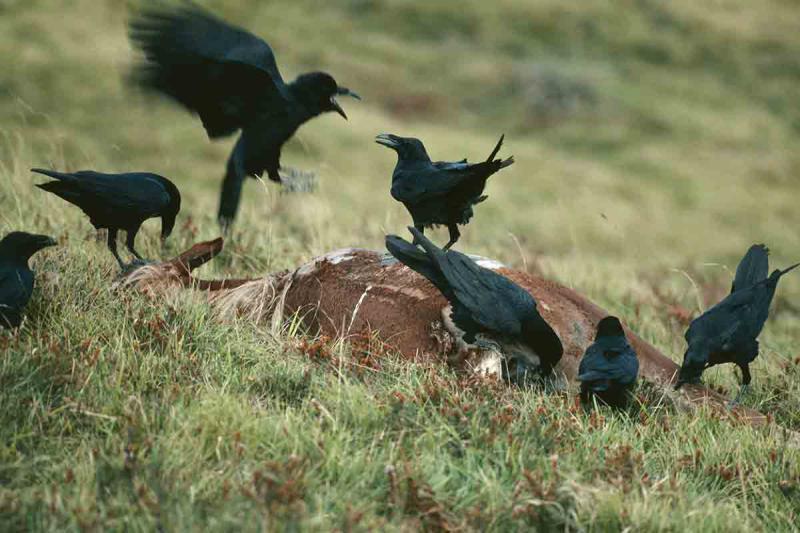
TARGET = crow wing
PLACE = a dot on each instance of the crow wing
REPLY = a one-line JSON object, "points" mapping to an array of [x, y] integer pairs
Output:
{"points": [[493, 301], [596, 365], [136, 195], [451, 165], [753, 268], [16, 287], [418, 261], [434, 180], [223, 73], [735, 320]]}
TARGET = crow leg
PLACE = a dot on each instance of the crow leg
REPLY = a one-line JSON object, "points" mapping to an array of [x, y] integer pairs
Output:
{"points": [[454, 236], [746, 378], [585, 395], [130, 240], [420, 228], [112, 245], [231, 192]]}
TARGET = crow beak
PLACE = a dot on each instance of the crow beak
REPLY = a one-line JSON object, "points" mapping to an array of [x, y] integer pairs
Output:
{"points": [[344, 91], [44, 242], [337, 107], [388, 140]]}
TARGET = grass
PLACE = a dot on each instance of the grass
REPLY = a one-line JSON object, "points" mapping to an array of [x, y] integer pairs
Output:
{"points": [[654, 142]]}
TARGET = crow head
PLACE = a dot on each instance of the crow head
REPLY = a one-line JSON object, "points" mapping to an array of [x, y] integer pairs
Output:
{"points": [[21, 245], [318, 92], [170, 212], [407, 148], [609, 327], [694, 362]]}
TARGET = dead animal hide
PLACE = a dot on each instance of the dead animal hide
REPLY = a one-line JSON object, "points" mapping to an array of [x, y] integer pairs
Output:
{"points": [[354, 291]]}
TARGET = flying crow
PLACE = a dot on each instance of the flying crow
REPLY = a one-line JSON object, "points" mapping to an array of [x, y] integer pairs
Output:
{"points": [[492, 311], [609, 367], [438, 192], [728, 332], [118, 201], [16, 277], [230, 78]]}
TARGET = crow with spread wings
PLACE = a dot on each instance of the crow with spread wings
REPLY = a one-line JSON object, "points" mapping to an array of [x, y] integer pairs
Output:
{"points": [[229, 77]]}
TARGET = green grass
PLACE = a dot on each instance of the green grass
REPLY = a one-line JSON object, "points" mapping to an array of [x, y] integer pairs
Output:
{"points": [[654, 141]]}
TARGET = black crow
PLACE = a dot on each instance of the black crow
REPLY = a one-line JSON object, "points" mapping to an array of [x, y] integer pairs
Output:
{"points": [[16, 277], [230, 78], [118, 201], [487, 307], [609, 366], [438, 192], [728, 332]]}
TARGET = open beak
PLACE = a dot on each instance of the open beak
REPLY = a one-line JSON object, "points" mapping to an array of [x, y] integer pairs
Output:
{"points": [[344, 91], [337, 107], [387, 140]]}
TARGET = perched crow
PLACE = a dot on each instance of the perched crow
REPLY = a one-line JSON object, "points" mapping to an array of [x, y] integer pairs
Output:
{"points": [[489, 308], [609, 367], [118, 201], [230, 78], [16, 277], [728, 332], [438, 192]]}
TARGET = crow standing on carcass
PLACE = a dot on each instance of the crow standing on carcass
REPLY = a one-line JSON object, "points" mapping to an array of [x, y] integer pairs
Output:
{"points": [[230, 78], [491, 311]]}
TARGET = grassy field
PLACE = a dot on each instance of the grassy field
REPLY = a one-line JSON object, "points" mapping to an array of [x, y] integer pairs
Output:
{"points": [[654, 142]]}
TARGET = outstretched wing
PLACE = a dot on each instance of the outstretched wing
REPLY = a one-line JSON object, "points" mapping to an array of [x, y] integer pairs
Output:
{"points": [[223, 73]]}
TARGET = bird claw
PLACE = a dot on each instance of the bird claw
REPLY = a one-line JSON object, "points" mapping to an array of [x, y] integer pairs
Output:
{"points": [[135, 264], [737, 401]]}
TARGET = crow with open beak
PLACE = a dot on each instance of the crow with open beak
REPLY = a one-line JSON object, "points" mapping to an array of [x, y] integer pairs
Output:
{"points": [[438, 192], [229, 77]]}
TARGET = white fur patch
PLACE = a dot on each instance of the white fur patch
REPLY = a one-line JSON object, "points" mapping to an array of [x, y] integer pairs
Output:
{"points": [[490, 364], [485, 262], [455, 331], [335, 257]]}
